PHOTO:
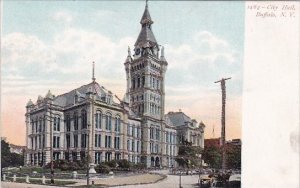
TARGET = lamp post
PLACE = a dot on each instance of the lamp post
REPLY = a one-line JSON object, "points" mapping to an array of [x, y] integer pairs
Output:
{"points": [[180, 179]]}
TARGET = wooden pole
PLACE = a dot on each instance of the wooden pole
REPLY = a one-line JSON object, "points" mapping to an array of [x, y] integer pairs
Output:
{"points": [[223, 133]]}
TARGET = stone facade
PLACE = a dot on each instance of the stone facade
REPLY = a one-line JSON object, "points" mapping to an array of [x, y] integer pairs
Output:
{"points": [[89, 118]]}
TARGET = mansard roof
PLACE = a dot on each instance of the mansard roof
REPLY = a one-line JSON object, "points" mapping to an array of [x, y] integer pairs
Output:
{"points": [[82, 93], [178, 118], [181, 119]]}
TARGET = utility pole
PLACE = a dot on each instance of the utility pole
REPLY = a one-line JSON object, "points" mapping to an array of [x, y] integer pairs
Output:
{"points": [[223, 139]]}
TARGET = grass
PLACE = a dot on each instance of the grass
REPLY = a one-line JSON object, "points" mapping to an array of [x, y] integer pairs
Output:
{"points": [[37, 181]]}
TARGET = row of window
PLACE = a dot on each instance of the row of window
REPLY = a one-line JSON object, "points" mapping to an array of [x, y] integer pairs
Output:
{"points": [[154, 109], [108, 157], [38, 142], [133, 131], [137, 82], [170, 137], [154, 133], [170, 150], [154, 148], [38, 126], [140, 82], [84, 140], [133, 146]]}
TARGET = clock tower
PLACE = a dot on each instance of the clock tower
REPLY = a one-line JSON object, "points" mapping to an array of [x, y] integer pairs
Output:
{"points": [[145, 74]]}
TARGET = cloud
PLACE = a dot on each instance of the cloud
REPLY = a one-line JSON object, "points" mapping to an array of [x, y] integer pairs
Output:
{"points": [[63, 16], [30, 61]]}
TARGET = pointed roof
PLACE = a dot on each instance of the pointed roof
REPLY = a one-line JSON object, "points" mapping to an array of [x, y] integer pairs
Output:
{"points": [[162, 54], [146, 18], [29, 103], [49, 95], [146, 37], [129, 58], [40, 98]]}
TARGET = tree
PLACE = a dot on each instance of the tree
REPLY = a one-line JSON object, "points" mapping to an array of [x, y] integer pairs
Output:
{"points": [[212, 156], [8, 158], [188, 155], [233, 157]]}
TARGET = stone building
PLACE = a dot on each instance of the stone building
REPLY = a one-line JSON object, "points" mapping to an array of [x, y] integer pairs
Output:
{"points": [[91, 119]]}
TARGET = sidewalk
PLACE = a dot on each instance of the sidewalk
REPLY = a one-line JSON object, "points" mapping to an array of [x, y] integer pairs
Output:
{"points": [[117, 181]]}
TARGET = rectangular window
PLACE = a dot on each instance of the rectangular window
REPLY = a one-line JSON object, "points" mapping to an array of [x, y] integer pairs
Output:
{"points": [[98, 157], [108, 122], [138, 132], [83, 140], [128, 145], [54, 124], [56, 140], [98, 120], [117, 143], [75, 140], [138, 146], [44, 125], [143, 80], [75, 122], [133, 145], [108, 141], [117, 124], [133, 131], [68, 123], [44, 140], [97, 140], [58, 124], [128, 130], [40, 126], [157, 131], [83, 120], [68, 140], [151, 133], [40, 142], [151, 147]]}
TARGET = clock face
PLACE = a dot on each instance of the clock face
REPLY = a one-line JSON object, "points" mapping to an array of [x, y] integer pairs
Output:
{"points": [[137, 51]]}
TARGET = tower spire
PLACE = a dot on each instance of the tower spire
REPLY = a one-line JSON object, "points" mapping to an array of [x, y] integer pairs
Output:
{"points": [[146, 37], [129, 53], [93, 78]]}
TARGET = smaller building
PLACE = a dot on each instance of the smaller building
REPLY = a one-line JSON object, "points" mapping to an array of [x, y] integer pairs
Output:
{"points": [[17, 149]]}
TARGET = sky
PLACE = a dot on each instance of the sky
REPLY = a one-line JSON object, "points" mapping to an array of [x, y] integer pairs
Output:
{"points": [[52, 44]]}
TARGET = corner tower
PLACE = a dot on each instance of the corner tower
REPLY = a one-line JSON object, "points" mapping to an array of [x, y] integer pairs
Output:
{"points": [[145, 74]]}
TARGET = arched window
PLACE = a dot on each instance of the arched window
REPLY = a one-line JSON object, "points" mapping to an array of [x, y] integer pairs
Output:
{"points": [[83, 119], [98, 120], [117, 124]]}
